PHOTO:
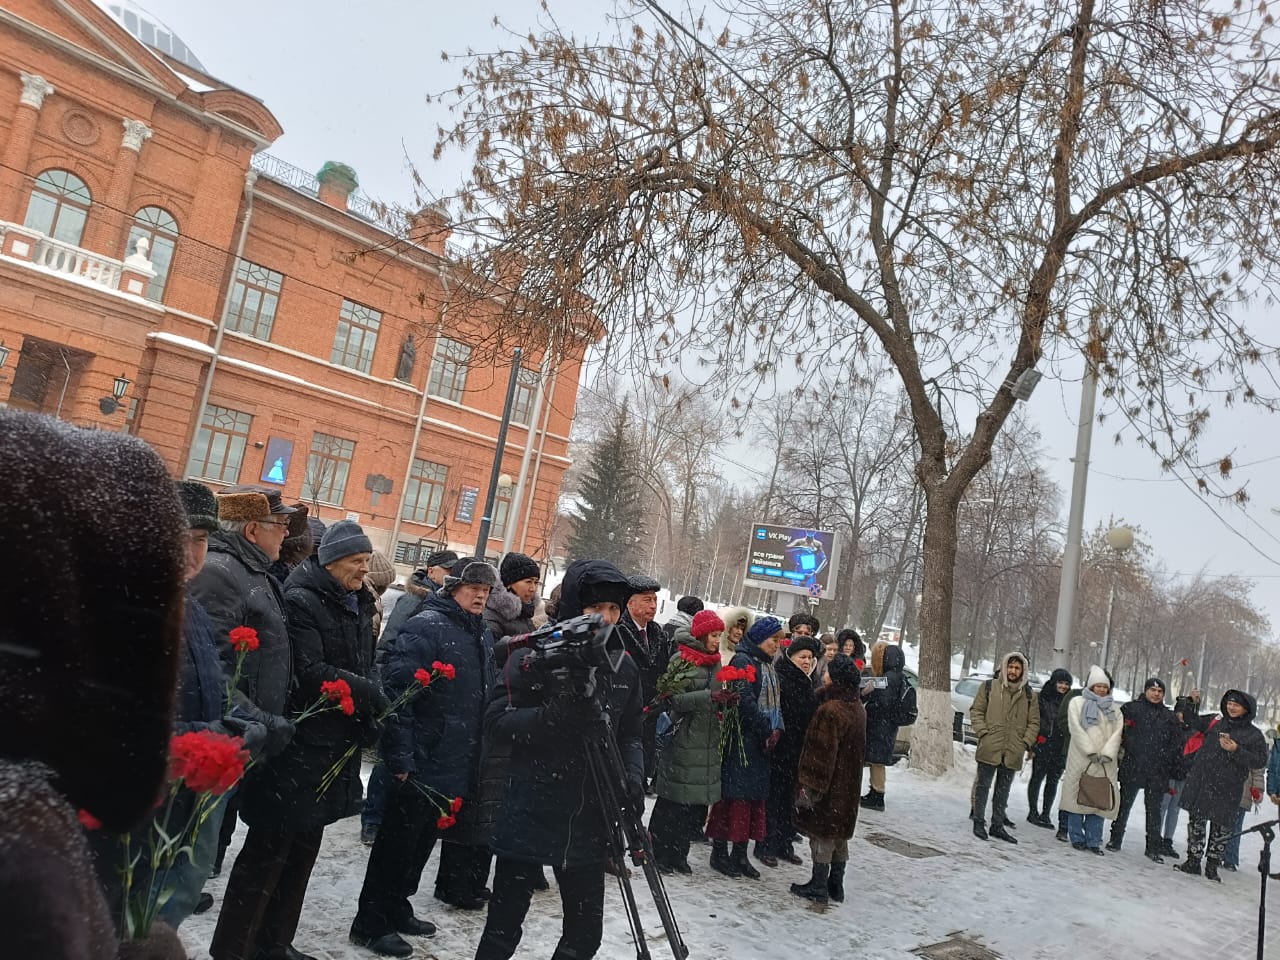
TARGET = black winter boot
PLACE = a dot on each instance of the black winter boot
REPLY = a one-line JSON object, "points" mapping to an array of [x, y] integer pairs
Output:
{"points": [[1154, 852], [1000, 832], [720, 861], [1191, 866], [1167, 848], [1211, 871], [835, 886], [1062, 835], [979, 829], [816, 888], [873, 800], [1117, 841], [738, 858]]}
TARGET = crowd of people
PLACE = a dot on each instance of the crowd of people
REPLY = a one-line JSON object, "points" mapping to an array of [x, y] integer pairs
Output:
{"points": [[1100, 755], [240, 616]]}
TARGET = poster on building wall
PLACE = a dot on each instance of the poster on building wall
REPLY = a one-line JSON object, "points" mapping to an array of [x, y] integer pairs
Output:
{"points": [[467, 504], [791, 559], [275, 466]]}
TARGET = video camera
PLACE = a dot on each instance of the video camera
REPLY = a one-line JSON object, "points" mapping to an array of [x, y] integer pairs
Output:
{"points": [[579, 644]]}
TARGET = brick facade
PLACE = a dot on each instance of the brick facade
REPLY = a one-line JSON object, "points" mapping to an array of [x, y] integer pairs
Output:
{"points": [[141, 130]]}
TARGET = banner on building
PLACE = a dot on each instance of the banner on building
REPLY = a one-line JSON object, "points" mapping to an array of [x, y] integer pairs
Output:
{"points": [[791, 559]]}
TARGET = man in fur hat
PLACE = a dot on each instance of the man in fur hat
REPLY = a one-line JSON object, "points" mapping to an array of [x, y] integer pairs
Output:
{"points": [[648, 645]]}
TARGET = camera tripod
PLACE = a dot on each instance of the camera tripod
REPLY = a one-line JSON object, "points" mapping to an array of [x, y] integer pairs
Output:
{"points": [[627, 833], [1268, 834]]}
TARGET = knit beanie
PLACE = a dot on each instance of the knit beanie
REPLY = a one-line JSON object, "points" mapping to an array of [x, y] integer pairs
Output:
{"points": [[843, 671], [516, 567], [382, 572], [1097, 675], [200, 503], [705, 622], [1153, 682], [317, 528], [342, 540], [762, 630]]}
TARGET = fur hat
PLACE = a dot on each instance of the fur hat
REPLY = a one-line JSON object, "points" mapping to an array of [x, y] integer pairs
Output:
{"points": [[200, 504], [516, 567], [641, 583], [441, 558], [476, 570], [804, 643], [240, 507], [342, 540], [705, 622], [317, 528], [762, 630], [299, 523], [844, 671], [93, 611]]}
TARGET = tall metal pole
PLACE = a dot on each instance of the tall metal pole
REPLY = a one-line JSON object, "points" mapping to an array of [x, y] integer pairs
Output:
{"points": [[486, 521], [1075, 521]]}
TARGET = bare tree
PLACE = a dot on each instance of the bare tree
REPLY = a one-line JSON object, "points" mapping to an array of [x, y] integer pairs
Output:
{"points": [[967, 189]]}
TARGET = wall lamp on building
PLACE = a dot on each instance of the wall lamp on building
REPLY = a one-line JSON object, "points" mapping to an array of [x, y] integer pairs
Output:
{"points": [[111, 404], [4, 353]]}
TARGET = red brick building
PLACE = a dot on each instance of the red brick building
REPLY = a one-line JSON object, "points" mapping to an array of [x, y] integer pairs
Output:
{"points": [[161, 274]]}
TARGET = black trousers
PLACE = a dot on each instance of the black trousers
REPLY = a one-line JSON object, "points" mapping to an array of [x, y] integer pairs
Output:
{"points": [[650, 732], [779, 805], [1003, 778], [463, 870], [672, 827], [405, 841], [1155, 788], [1046, 773], [582, 909], [228, 829], [265, 891]]}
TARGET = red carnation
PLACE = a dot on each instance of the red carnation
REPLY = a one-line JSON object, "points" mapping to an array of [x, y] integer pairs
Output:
{"points": [[244, 639], [88, 820], [456, 805], [1042, 739], [445, 670], [336, 689], [750, 673], [422, 676], [444, 823], [784, 642], [859, 664], [207, 762]]}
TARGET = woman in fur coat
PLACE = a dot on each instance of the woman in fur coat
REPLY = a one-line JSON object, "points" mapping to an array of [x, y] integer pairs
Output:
{"points": [[1096, 728]]}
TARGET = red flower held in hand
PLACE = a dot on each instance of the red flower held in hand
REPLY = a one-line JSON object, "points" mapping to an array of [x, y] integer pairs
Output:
{"points": [[445, 670], [340, 692], [444, 823], [456, 805], [423, 676], [1042, 739], [88, 820], [244, 639], [207, 762]]}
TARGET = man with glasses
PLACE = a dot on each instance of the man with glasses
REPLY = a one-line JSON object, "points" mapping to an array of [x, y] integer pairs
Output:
{"points": [[236, 589]]}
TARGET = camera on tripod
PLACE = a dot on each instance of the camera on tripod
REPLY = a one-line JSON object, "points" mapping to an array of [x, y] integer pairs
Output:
{"points": [[575, 645]]}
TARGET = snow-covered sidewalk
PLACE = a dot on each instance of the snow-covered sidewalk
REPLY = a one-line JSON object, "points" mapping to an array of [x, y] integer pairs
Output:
{"points": [[1034, 901]]}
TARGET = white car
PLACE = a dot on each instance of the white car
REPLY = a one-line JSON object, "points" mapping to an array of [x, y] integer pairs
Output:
{"points": [[962, 693]]}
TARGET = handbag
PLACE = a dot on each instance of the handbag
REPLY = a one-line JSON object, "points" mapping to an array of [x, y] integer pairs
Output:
{"points": [[1096, 791]]}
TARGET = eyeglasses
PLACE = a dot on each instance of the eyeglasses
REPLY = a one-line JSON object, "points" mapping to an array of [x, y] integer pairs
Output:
{"points": [[273, 523]]}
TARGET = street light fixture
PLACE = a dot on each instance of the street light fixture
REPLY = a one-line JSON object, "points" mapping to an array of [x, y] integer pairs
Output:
{"points": [[111, 404], [4, 353], [1119, 539]]}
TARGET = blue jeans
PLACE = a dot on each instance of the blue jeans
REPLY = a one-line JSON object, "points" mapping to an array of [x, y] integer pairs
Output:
{"points": [[375, 798], [187, 876], [1085, 828], [1231, 856], [1170, 810]]}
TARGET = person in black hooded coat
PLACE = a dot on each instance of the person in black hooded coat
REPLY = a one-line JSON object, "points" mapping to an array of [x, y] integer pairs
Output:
{"points": [[887, 707], [550, 814], [1232, 747], [1049, 760], [798, 704]]}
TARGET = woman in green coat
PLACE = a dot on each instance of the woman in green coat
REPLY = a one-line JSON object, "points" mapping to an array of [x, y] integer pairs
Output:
{"points": [[688, 779]]}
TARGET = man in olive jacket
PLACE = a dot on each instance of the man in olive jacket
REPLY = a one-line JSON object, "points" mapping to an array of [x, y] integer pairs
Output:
{"points": [[1006, 717]]}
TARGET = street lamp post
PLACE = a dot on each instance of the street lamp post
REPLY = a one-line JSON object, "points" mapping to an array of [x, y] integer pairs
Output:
{"points": [[1118, 539]]}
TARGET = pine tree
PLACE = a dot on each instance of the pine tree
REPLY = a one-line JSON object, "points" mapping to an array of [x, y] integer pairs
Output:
{"points": [[608, 523]]}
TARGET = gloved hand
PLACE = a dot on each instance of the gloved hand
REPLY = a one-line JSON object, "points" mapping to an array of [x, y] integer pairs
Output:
{"points": [[1095, 757], [806, 800], [280, 731], [370, 731], [635, 793], [772, 741], [726, 698], [253, 734]]}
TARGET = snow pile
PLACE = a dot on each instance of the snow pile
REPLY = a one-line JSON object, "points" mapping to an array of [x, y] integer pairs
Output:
{"points": [[1039, 900]]}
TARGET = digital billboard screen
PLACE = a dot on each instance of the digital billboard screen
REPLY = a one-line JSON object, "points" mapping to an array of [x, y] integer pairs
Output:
{"points": [[791, 559]]}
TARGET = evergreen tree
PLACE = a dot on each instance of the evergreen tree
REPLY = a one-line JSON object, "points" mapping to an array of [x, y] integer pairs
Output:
{"points": [[608, 522]]}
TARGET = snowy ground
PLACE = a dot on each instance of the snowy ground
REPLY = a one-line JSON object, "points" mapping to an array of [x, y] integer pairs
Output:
{"points": [[1034, 901]]}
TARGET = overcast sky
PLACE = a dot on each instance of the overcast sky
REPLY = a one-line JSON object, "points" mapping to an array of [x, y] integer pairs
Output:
{"points": [[349, 82]]}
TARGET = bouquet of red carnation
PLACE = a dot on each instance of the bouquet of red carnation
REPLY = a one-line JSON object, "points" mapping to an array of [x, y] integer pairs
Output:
{"points": [[423, 678], [244, 641], [334, 695], [204, 763], [734, 680], [446, 806]]}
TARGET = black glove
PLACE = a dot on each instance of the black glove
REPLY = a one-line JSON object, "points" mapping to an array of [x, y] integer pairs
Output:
{"points": [[279, 730], [370, 731], [253, 733]]}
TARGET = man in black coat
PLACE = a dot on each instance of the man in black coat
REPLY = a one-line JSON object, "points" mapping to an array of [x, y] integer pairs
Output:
{"points": [[1151, 743], [550, 814], [651, 650], [331, 634], [431, 749]]}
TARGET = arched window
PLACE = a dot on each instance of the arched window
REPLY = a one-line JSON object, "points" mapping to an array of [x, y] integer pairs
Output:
{"points": [[59, 206], [161, 230]]}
